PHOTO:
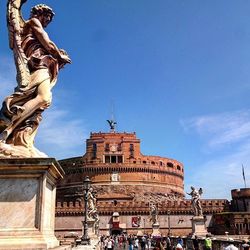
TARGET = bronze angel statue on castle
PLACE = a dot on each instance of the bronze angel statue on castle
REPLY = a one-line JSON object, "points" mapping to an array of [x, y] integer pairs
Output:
{"points": [[38, 61]]}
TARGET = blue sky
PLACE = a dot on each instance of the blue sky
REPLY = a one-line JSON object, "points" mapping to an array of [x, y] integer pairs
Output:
{"points": [[177, 72]]}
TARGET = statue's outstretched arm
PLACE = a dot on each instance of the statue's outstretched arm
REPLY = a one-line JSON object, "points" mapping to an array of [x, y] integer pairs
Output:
{"points": [[44, 39]]}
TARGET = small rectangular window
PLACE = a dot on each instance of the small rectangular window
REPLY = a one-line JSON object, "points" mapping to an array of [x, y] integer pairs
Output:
{"points": [[107, 159], [119, 159], [94, 150], [113, 159], [131, 150], [107, 147]]}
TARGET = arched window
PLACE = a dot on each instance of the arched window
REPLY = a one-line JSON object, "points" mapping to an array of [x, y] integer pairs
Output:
{"points": [[170, 164]]}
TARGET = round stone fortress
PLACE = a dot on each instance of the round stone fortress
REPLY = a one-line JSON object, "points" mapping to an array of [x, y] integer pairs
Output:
{"points": [[126, 182], [120, 172]]}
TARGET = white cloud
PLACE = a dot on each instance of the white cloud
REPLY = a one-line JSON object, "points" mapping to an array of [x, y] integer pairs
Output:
{"points": [[227, 135], [221, 174], [60, 136], [221, 128]]}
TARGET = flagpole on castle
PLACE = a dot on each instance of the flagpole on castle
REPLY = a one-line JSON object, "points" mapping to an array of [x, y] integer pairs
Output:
{"points": [[243, 174]]}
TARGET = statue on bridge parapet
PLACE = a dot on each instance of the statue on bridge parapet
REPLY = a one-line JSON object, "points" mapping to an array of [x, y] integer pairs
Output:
{"points": [[38, 61], [92, 215], [198, 221], [196, 203], [153, 213], [154, 218]]}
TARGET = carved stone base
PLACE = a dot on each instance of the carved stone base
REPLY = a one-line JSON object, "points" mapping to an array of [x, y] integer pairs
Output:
{"points": [[199, 226], [155, 228], [92, 233], [94, 245], [27, 203], [12, 151], [139, 232]]}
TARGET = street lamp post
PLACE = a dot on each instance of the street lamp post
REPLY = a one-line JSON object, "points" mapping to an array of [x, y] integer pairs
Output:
{"points": [[85, 240], [169, 229]]}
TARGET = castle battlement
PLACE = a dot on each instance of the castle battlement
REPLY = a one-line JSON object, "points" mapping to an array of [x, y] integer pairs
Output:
{"points": [[140, 208]]}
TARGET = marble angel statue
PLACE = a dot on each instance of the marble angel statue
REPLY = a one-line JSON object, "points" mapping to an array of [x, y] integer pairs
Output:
{"points": [[153, 213], [38, 61], [196, 203], [92, 214]]}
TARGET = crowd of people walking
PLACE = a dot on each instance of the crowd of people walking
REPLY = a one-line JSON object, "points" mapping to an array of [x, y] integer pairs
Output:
{"points": [[147, 242]]}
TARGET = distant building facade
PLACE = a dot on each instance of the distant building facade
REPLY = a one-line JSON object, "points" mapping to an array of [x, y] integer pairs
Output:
{"points": [[126, 183], [237, 220], [117, 167]]}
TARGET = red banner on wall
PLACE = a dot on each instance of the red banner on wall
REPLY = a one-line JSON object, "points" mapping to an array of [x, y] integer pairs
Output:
{"points": [[115, 224], [136, 221]]}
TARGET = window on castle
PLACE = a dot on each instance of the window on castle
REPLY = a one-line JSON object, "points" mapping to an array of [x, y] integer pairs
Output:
{"points": [[107, 147], [169, 164], [119, 148], [131, 150], [107, 159], [113, 159], [119, 157], [94, 150], [178, 167]]}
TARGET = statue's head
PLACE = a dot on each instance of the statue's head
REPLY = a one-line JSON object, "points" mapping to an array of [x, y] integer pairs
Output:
{"points": [[43, 12], [192, 188]]}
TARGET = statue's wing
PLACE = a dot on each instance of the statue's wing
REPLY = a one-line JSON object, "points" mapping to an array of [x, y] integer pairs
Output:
{"points": [[15, 26]]}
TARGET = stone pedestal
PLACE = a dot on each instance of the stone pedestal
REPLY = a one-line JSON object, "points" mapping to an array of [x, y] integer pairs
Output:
{"points": [[92, 234], [92, 238], [155, 228], [92, 230], [199, 226], [94, 245], [27, 203], [139, 232]]}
